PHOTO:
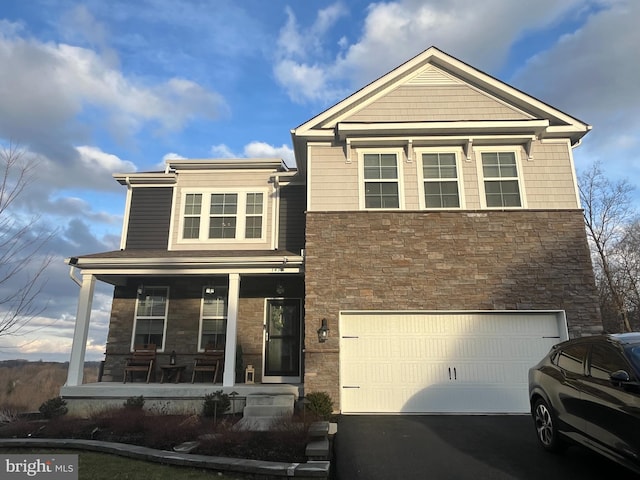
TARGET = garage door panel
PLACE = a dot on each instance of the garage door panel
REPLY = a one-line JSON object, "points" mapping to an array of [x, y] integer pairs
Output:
{"points": [[442, 362]]}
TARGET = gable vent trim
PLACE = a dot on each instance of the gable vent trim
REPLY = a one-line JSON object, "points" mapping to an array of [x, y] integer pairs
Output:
{"points": [[431, 77]]}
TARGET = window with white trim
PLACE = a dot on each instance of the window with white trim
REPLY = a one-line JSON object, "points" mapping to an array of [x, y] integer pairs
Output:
{"points": [[223, 215], [213, 319], [500, 176], [151, 317], [381, 180], [192, 209], [440, 180], [255, 208]]}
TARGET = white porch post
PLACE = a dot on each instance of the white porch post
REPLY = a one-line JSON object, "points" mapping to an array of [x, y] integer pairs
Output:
{"points": [[229, 377], [79, 345]]}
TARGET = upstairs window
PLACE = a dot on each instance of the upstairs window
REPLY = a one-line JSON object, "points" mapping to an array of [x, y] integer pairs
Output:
{"points": [[192, 210], [223, 216], [440, 177], [381, 180], [151, 316], [501, 184]]}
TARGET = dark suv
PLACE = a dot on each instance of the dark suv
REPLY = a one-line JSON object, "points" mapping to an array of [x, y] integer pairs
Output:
{"points": [[587, 391]]}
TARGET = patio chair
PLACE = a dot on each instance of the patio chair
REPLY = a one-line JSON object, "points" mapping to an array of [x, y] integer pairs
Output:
{"points": [[142, 360], [211, 361]]}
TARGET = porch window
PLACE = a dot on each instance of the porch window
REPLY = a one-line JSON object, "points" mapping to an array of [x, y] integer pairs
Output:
{"points": [[440, 174], [501, 184], [381, 180], [151, 316], [213, 321]]}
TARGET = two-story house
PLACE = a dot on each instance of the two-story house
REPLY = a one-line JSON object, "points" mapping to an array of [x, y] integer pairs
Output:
{"points": [[427, 251]]}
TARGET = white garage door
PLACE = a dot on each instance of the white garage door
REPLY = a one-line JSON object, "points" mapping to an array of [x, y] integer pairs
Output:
{"points": [[425, 362]]}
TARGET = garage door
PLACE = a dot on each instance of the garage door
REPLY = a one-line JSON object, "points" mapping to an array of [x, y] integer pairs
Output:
{"points": [[424, 362]]}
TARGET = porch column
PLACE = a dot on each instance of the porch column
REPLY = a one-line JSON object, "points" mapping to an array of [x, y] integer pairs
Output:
{"points": [[81, 331], [229, 377]]}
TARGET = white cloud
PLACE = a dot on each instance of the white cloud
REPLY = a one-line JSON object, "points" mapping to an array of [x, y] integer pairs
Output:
{"points": [[478, 32], [96, 159], [222, 151], [592, 74], [256, 149], [47, 86]]}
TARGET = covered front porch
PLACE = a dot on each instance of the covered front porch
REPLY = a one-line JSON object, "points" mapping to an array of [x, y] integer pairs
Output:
{"points": [[170, 398], [250, 308]]}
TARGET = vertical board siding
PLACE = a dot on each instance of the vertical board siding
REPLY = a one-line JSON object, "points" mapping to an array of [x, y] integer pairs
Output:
{"points": [[292, 218], [149, 218]]}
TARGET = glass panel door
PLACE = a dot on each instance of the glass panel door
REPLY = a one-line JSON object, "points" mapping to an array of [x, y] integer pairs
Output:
{"points": [[282, 341]]}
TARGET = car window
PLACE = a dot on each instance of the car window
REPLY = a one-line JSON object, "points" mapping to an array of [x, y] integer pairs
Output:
{"points": [[605, 360], [634, 355], [571, 358]]}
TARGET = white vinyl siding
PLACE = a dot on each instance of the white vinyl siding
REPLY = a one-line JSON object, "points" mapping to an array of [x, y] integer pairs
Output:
{"points": [[150, 321]]}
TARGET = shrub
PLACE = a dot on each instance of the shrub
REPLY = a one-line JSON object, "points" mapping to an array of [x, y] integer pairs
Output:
{"points": [[54, 407], [319, 404], [134, 402], [215, 404]]}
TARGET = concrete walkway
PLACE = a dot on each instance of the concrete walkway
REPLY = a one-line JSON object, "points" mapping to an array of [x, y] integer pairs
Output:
{"points": [[309, 470]]}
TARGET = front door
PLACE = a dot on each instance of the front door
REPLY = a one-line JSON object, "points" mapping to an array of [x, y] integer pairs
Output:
{"points": [[282, 341]]}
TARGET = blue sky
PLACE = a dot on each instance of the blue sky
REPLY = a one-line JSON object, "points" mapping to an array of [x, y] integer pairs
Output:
{"points": [[92, 88]]}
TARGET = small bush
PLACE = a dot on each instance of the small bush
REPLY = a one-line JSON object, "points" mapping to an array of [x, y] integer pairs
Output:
{"points": [[54, 407], [319, 404], [134, 402], [215, 404]]}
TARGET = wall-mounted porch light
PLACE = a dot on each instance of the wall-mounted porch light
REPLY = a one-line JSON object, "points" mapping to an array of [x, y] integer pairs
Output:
{"points": [[323, 331], [210, 290], [140, 290]]}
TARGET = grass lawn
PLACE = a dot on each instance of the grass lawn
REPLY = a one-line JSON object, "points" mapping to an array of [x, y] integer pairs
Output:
{"points": [[101, 466]]}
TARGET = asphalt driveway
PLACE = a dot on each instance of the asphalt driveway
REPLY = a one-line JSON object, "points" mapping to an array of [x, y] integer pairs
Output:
{"points": [[446, 447]]}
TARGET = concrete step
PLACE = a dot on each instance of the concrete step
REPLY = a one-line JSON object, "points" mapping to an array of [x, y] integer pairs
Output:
{"points": [[265, 399], [256, 424], [267, 411]]}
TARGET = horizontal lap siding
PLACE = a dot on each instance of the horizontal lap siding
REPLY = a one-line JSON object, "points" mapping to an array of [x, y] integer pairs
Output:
{"points": [[334, 182], [149, 217], [549, 178], [434, 103]]}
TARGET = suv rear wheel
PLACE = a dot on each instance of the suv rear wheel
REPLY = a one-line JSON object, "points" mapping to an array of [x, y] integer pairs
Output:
{"points": [[546, 429]]}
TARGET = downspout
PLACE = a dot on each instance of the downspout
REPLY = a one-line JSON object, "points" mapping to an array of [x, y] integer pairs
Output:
{"points": [[276, 213], [72, 266], [125, 220]]}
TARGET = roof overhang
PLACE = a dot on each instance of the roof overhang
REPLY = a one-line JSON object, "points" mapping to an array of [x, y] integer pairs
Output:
{"points": [[408, 129], [116, 270]]}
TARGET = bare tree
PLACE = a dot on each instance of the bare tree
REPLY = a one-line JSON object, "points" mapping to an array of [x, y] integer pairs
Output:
{"points": [[22, 260], [607, 211]]}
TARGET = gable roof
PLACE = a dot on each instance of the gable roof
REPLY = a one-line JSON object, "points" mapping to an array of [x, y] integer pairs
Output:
{"points": [[434, 67]]}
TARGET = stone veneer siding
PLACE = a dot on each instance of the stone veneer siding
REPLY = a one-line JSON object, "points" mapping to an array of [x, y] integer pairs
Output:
{"points": [[484, 260]]}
